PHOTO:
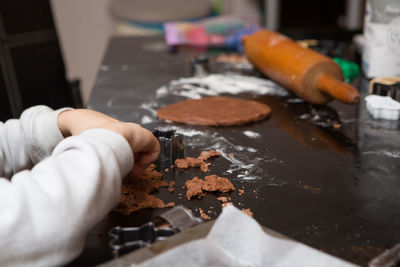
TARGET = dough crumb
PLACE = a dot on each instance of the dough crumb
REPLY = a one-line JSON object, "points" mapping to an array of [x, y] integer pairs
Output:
{"points": [[211, 183], [216, 183], [171, 186], [188, 162], [136, 192], [205, 155], [223, 199], [166, 170], [203, 215], [194, 187], [197, 162], [248, 212], [204, 166], [336, 125], [241, 192], [226, 204]]}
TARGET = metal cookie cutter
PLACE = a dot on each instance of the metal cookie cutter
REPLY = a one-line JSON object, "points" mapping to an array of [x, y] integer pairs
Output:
{"points": [[172, 148], [199, 66], [179, 218], [126, 239], [385, 86]]}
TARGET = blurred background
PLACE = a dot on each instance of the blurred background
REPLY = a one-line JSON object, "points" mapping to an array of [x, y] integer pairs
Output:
{"points": [[69, 37], [85, 26]]}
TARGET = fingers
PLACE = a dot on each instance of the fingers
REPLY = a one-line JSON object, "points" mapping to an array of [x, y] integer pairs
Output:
{"points": [[145, 147], [138, 169], [143, 143], [143, 160], [75, 121]]}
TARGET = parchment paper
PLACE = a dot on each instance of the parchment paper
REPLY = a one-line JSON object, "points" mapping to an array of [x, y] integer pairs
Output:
{"points": [[238, 240]]}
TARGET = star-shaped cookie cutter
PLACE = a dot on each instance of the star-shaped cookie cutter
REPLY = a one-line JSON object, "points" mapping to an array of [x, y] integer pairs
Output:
{"points": [[127, 239]]}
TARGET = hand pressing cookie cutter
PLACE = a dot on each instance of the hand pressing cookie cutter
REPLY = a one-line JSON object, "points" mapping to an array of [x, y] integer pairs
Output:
{"points": [[171, 148], [127, 239]]}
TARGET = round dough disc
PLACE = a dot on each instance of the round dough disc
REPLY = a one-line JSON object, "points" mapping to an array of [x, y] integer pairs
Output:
{"points": [[215, 111]]}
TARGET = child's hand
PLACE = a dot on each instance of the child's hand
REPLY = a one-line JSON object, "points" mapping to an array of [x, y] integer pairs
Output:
{"points": [[144, 145]]}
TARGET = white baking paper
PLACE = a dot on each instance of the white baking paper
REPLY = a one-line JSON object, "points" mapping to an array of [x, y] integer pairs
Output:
{"points": [[238, 240]]}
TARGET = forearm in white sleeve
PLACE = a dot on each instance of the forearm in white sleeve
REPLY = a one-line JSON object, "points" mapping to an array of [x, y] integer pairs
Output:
{"points": [[26, 141], [46, 212]]}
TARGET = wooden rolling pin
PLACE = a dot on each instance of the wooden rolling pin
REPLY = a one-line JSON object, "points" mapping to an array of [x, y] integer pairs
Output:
{"points": [[308, 74]]}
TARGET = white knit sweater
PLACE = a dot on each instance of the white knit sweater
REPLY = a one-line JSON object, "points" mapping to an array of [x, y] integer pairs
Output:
{"points": [[53, 190]]}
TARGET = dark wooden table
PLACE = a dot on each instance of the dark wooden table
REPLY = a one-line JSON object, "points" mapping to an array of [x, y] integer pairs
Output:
{"points": [[337, 190]]}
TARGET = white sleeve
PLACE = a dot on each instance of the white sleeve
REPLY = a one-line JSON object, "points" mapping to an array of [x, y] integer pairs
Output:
{"points": [[26, 141], [46, 212]]}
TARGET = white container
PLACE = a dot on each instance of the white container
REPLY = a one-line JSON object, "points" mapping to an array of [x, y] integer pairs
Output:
{"points": [[383, 107], [381, 49]]}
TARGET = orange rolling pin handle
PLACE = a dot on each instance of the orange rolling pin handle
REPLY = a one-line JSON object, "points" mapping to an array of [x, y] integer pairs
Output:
{"points": [[338, 89]]}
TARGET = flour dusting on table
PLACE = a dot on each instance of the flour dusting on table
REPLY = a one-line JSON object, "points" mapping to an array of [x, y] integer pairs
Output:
{"points": [[146, 119], [251, 134], [242, 162], [390, 154], [216, 84]]}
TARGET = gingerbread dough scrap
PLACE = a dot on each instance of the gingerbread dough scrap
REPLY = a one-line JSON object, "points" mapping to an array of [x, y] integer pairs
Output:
{"points": [[188, 162], [135, 192], [197, 162], [215, 183], [204, 166], [223, 199], [211, 183], [215, 111], [205, 155], [194, 188]]}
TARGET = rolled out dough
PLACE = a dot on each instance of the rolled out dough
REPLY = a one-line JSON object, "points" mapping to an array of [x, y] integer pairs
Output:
{"points": [[215, 111]]}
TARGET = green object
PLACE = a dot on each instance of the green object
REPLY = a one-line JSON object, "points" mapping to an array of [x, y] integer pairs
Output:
{"points": [[218, 6], [223, 28], [350, 69]]}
